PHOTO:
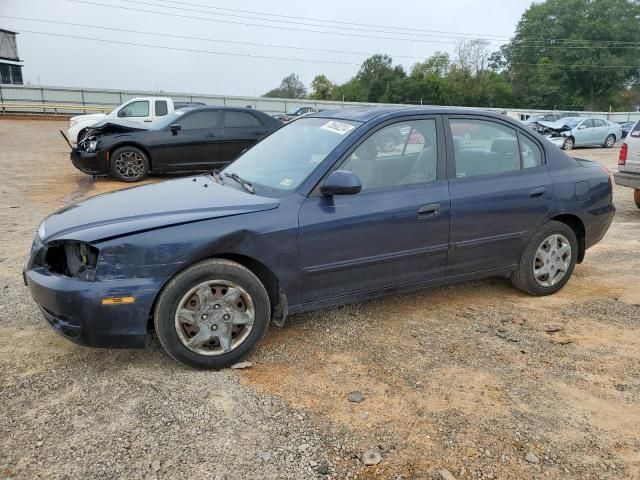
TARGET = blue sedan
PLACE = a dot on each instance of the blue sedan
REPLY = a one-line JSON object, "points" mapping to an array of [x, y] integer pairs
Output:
{"points": [[317, 214]]}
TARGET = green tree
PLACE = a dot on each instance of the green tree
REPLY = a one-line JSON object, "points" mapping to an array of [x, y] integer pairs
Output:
{"points": [[569, 51], [321, 88], [290, 87]]}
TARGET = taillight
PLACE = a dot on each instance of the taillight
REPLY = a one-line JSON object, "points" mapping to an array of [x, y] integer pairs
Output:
{"points": [[622, 159]]}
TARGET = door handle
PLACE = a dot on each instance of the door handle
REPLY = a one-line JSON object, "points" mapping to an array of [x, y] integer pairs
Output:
{"points": [[147, 121], [258, 132], [211, 135], [430, 210], [537, 192]]}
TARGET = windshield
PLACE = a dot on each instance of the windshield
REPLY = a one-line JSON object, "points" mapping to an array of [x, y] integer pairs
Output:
{"points": [[282, 161], [168, 119], [573, 123]]}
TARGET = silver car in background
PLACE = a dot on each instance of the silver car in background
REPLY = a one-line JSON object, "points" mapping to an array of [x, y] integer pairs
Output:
{"points": [[580, 132]]}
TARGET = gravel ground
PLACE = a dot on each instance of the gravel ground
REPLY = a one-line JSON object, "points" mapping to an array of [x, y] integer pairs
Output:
{"points": [[469, 381]]}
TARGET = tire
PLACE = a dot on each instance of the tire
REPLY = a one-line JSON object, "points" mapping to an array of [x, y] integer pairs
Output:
{"points": [[525, 277], [240, 314], [610, 141], [568, 144], [129, 164], [636, 197]]}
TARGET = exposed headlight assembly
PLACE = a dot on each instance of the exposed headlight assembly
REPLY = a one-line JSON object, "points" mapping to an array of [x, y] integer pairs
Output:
{"points": [[72, 259], [92, 146]]}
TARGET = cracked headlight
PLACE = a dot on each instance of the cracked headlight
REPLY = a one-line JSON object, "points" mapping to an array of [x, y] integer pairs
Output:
{"points": [[92, 146], [72, 259]]}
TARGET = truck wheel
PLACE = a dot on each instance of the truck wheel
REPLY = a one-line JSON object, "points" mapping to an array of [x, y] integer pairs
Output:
{"points": [[212, 314], [636, 197], [129, 164]]}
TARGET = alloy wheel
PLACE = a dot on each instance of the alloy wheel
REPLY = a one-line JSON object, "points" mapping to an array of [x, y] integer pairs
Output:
{"points": [[552, 260], [568, 144], [610, 141], [129, 165], [214, 317]]}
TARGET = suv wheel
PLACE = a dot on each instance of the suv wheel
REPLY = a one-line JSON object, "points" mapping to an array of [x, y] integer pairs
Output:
{"points": [[548, 261], [212, 314]]}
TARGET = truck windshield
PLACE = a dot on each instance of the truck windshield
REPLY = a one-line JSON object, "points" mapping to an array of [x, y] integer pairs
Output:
{"points": [[281, 162]]}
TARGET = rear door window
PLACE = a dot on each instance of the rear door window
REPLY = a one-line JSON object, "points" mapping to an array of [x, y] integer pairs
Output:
{"points": [[635, 131], [482, 147], [161, 108], [240, 120]]}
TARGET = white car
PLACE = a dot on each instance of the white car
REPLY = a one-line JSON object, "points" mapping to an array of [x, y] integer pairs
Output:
{"points": [[628, 174], [141, 109]]}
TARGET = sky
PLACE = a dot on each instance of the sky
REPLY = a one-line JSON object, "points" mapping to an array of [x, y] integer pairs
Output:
{"points": [[408, 30]]}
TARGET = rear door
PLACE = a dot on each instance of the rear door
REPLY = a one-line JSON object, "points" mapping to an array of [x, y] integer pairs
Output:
{"points": [[601, 131], [500, 191], [240, 130], [195, 146]]}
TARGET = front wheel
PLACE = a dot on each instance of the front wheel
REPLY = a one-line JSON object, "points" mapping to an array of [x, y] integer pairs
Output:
{"points": [[568, 144], [212, 314], [610, 141], [129, 164], [548, 261], [636, 197]]}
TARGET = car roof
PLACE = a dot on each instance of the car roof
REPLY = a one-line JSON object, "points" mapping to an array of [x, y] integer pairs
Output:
{"points": [[204, 108], [364, 114]]}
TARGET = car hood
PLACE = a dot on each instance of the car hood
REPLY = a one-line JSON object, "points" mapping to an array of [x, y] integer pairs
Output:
{"points": [[95, 117], [113, 125], [163, 204]]}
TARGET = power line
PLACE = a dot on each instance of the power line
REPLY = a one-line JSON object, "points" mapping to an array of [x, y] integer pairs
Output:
{"points": [[192, 50], [375, 26], [405, 30], [529, 43], [275, 27], [289, 22], [233, 42], [186, 37]]}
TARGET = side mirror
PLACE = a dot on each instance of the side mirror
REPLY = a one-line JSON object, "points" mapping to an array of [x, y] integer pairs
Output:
{"points": [[122, 113], [582, 127], [341, 182], [175, 128]]}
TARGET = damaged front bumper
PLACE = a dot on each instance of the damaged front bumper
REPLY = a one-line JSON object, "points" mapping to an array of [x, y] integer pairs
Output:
{"points": [[93, 163]]}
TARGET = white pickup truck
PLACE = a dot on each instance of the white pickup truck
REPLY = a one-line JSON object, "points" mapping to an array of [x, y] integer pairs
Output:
{"points": [[140, 109], [628, 174]]}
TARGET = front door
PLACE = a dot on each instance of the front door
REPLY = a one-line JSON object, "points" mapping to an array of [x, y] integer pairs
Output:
{"points": [[195, 146], [240, 130], [500, 191], [394, 232]]}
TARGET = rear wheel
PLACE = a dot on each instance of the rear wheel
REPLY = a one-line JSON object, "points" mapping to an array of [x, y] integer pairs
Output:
{"points": [[212, 314], [610, 141], [129, 164], [548, 261], [568, 144], [636, 197]]}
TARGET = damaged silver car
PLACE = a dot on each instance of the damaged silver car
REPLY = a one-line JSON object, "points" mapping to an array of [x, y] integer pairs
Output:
{"points": [[580, 132]]}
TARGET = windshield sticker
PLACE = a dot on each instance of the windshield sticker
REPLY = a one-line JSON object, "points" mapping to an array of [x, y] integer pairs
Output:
{"points": [[337, 127], [286, 182]]}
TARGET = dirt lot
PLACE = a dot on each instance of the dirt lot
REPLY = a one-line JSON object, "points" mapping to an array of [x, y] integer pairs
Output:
{"points": [[471, 378]]}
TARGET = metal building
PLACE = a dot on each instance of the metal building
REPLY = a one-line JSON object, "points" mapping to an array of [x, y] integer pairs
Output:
{"points": [[10, 63]]}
